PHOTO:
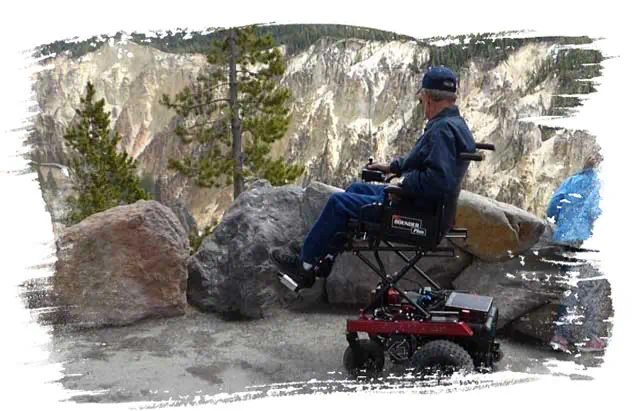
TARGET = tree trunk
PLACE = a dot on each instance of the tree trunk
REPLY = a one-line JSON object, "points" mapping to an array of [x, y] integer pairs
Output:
{"points": [[235, 120]]}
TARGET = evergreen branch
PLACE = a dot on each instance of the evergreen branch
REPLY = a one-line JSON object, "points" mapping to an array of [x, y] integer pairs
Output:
{"points": [[208, 103], [216, 86]]}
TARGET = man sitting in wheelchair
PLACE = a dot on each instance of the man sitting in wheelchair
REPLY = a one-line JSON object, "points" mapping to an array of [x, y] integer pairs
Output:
{"points": [[432, 172]]}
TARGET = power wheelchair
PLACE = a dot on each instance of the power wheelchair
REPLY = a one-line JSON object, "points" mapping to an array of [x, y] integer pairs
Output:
{"points": [[428, 329]]}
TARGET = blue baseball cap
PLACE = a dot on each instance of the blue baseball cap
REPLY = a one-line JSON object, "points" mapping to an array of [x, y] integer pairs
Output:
{"points": [[439, 78]]}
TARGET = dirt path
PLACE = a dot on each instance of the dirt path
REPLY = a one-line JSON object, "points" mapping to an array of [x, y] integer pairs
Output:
{"points": [[202, 355]]}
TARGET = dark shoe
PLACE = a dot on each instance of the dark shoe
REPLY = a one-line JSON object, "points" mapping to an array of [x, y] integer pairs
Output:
{"points": [[292, 273], [324, 267]]}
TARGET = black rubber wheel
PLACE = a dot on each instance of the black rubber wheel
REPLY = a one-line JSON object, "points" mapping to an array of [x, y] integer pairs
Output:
{"points": [[370, 363], [442, 357]]}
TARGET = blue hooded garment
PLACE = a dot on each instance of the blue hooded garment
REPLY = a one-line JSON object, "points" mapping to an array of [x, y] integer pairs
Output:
{"points": [[575, 207]]}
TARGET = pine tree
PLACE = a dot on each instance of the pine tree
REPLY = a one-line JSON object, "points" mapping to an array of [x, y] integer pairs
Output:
{"points": [[102, 177], [234, 112]]}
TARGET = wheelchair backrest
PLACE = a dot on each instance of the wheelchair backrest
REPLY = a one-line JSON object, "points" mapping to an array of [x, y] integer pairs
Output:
{"points": [[406, 222]]}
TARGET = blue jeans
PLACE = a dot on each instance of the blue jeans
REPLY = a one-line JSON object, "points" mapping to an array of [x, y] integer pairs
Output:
{"points": [[334, 218]]}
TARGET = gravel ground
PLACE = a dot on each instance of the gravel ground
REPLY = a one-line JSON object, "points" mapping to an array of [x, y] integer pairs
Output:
{"points": [[200, 355]]}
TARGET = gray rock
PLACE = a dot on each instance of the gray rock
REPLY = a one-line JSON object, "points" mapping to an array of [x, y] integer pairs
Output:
{"points": [[231, 273], [520, 285], [589, 303], [122, 265], [539, 323], [442, 270]]}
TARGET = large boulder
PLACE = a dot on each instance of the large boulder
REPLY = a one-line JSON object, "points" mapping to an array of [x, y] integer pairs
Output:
{"points": [[496, 230], [588, 307], [231, 273], [540, 323], [122, 265], [519, 285]]}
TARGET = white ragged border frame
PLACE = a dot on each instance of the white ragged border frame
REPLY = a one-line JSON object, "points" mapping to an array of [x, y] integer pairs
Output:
{"points": [[26, 234]]}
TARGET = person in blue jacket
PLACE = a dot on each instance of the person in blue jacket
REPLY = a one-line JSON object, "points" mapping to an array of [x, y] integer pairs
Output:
{"points": [[431, 171], [574, 208]]}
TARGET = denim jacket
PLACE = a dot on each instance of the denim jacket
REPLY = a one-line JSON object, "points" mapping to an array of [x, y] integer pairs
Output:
{"points": [[432, 168]]}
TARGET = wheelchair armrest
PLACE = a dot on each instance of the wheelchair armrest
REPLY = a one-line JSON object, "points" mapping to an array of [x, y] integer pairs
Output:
{"points": [[485, 146], [393, 189], [397, 191], [471, 156]]}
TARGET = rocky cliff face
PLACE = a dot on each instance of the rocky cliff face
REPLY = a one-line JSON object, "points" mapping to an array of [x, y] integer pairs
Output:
{"points": [[352, 99]]}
